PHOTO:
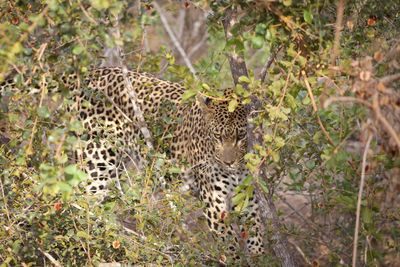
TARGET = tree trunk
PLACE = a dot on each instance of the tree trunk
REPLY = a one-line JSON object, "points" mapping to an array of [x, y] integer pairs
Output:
{"points": [[268, 214]]}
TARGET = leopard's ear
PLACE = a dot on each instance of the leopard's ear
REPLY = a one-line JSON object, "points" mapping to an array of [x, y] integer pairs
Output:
{"points": [[205, 105]]}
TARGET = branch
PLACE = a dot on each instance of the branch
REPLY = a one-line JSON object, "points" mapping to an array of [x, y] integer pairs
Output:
{"points": [[138, 112], [174, 39], [389, 79], [374, 107], [47, 255], [237, 63], [303, 73], [269, 215], [382, 119], [338, 29], [346, 99], [360, 191], [196, 47], [268, 63], [335, 50]]}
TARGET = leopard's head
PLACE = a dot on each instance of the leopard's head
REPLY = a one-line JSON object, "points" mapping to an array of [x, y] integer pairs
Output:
{"points": [[227, 131]]}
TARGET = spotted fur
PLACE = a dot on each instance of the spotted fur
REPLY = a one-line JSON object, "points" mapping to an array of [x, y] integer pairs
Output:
{"points": [[215, 184], [212, 140]]}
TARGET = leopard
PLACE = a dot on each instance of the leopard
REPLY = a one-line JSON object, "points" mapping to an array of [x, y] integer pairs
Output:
{"points": [[208, 138], [214, 184]]}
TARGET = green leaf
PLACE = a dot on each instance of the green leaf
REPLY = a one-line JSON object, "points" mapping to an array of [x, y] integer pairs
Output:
{"points": [[81, 175], [172, 69], [244, 79], [263, 185], [173, 170], [279, 142], [267, 138], [232, 105], [188, 94], [205, 86], [71, 169], [287, 2], [247, 180], [43, 112], [77, 50], [275, 156], [82, 234], [110, 205], [64, 187], [13, 117], [316, 137], [308, 17], [238, 198], [101, 4], [257, 41], [260, 28], [366, 215], [243, 204], [306, 100], [302, 60], [15, 49]]}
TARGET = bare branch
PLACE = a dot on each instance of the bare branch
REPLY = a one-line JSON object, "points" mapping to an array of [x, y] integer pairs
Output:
{"points": [[303, 73], [128, 84], [145, 41], [389, 79], [335, 50], [174, 39], [198, 45], [360, 191], [268, 63], [383, 120], [338, 29], [346, 99], [374, 107], [92, 20], [51, 258]]}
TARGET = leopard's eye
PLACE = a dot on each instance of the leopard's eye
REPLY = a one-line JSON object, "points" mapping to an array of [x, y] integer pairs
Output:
{"points": [[217, 136], [241, 135]]}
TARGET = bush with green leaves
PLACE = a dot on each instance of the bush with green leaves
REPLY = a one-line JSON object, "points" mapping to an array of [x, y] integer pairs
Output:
{"points": [[311, 149]]}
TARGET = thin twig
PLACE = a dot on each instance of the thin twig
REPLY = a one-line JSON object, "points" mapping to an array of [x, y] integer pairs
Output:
{"points": [[87, 14], [138, 112], [345, 99], [174, 39], [287, 79], [269, 150], [390, 78], [47, 255], [42, 85], [75, 226], [303, 73], [360, 191], [382, 119], [197, 46], [374, 107], [302, 253], [5, 202], [140, 120], [144, 42], [268, 63]]}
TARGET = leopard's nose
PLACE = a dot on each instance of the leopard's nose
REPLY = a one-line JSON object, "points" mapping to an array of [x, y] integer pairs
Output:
{"points": [[228, 156], [229, 162]]}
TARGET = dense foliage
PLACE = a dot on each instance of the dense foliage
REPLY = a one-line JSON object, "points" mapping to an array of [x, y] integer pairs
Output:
{"points": [[320, 105]]}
